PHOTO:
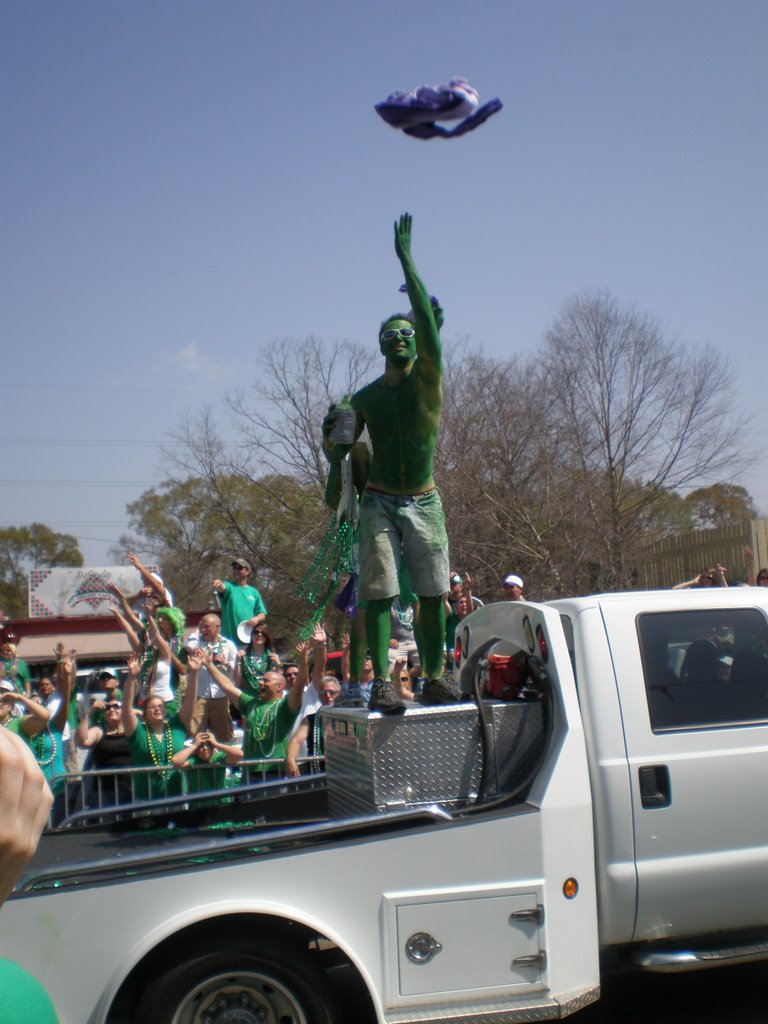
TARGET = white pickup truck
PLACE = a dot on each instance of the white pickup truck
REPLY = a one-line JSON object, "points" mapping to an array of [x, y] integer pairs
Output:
{"points": [[464, 863]]}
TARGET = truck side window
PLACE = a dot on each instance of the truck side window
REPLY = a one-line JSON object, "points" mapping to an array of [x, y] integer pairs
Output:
{"points": [[705, 669]]}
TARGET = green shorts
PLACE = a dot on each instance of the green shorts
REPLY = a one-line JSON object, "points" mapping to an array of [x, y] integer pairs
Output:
{"points": [[392, 527]]}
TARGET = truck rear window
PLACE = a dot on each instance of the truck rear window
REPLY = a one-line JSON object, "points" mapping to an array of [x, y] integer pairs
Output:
{"points": [[705, 669]]}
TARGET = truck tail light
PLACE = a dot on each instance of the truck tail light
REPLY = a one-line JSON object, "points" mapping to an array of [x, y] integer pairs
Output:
{"points": [[542, 644]]}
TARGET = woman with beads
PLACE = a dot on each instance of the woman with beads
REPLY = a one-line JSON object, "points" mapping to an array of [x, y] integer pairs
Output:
{"points": [[36, 716], [44, 733], [163, 657], [257, 658], [160, 645], [154, 739], [15, 668]]}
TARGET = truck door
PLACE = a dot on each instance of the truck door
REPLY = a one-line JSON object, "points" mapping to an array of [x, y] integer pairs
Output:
{"points": [[693, 687], [549, 837]]}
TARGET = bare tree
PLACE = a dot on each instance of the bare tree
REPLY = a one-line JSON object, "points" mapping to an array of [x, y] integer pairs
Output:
{"points": [[253, 484], [500, 464], [643, 417], [281, 416]]}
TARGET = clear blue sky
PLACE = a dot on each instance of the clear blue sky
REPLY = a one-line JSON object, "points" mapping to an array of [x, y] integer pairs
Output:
{"points": [[184, 181]]}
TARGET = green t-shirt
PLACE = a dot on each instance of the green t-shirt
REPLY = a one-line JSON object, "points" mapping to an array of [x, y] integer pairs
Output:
{"points": [[267, 726], [18, 672], [143, 745], [237, 604], [23, 997], [204, 776]]}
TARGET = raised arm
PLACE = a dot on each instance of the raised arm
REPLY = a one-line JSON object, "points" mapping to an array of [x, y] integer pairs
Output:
{"points": [[187, 709], [346, 644], [398, 675], [127, 712], [65, 681], [302, 655], [293, 748], [87, 735], [467, 591], [320, 645], [296, 693], [427, 334], [127, 612], [158, 640], [149, 579], [749, 565], [219, 677]]}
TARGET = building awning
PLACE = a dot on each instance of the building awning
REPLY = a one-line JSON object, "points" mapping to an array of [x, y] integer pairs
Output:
{"points": [[88, 646]]}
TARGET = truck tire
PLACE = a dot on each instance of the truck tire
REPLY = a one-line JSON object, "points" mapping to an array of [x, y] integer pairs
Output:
{"points": [[251, 981]]}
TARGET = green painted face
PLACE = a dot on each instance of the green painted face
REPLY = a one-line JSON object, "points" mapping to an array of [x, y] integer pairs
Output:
{"points": [[398, 349]]}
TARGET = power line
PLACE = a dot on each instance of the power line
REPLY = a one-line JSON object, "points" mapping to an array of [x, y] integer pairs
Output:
{"points": [[70, 524], [80, 483], [57, 442]]}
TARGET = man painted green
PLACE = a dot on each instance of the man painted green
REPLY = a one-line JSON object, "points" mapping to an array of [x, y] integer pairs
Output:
{"points": [[401, 514]]}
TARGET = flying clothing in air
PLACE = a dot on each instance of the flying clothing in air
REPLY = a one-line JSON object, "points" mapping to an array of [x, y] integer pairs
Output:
{"points": [[416, 112]]}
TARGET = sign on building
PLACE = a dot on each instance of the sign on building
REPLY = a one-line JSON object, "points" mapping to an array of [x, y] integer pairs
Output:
{"points": [[79, 591]]}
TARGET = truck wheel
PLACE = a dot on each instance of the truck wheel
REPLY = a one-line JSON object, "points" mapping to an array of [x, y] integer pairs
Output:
{"points": [[245, 981]]}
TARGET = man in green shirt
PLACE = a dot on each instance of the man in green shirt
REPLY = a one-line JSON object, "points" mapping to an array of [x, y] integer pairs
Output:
{"points": [[401, 514], [239, 602], [269, 718]]}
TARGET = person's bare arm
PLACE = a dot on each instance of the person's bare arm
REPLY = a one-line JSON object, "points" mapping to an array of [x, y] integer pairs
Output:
{"points": [[749, 565], [427, 335], [400, 668], [345, 658], [293, 748], [296, 693], [64, 681], [220, 678], [233, 753], [181, 758], [127, 628], [302, 654], [149, 579], [320, 645], [720, 574], [127, 712], [128, 612], [37, 716], [467, 591], [156, 637], [187, 709], [87, 736], [687, 583]]}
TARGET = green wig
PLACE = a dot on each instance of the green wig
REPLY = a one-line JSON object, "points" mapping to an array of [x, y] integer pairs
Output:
{"points": [[176, 618]]}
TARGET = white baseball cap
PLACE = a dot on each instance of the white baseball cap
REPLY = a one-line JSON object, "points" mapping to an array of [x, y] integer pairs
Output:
{"points": [[513, 581]]}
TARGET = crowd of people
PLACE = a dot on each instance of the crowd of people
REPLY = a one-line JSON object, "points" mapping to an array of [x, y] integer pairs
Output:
{"points": [[196, 706]]}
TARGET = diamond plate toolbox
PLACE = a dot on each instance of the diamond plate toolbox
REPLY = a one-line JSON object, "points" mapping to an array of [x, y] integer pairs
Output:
{"points": [[428, 755]]}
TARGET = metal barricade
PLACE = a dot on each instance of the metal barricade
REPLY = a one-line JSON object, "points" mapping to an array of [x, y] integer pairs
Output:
{"points": [[127, 789]]}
